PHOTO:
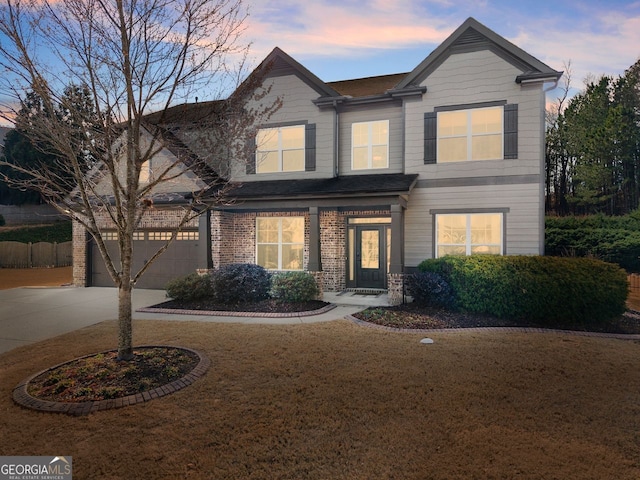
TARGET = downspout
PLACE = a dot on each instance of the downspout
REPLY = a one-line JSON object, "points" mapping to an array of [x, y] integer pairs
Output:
{"points": [[336, 142]]}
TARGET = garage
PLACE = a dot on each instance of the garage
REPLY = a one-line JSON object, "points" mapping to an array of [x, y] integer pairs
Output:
{"points": [[181, 258]]}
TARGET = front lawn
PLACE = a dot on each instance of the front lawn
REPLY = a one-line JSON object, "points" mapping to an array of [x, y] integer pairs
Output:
{"points": [[335, 400]]}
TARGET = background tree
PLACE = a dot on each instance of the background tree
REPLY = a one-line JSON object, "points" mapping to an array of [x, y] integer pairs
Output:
{"points": [[135, 57], [593, 148], [21, 151], [38, 154]]}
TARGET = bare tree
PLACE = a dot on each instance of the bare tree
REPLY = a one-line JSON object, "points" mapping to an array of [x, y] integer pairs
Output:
{"points": [[559, 164], [135, 57]]}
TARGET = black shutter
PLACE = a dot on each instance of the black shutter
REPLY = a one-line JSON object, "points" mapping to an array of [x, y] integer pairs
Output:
{"points": [[511, 131], [310, 147], [430, 137], [251, 155]]}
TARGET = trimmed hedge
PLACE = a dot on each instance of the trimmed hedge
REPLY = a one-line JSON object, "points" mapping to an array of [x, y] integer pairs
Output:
{"points": [[611, 239], [548, 290], [58, 232], [615, 246], [294, 287]]}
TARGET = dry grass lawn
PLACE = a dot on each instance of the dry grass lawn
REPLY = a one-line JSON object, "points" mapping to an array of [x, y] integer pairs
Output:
{"points": [[339, 401]]}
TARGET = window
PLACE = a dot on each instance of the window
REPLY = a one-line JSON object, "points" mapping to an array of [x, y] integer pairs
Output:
{"points": [[145, 172], [160, 236], [474, 134], [370, 145], [280, 149], [469, 234], [280, 242]]}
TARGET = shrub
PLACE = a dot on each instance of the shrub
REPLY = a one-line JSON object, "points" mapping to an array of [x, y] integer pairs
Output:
{"points": [[58, 232], [612, 239], [190, 287], [2, 221], [549, 290], [294, 287], [240, 282], [430, 289]]}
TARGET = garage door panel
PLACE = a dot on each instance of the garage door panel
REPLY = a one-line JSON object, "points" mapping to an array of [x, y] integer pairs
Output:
{"points": [[180, 258]]}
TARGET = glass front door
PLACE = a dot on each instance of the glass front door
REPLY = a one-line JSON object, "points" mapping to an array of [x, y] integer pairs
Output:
{"points": [[370, 256]]}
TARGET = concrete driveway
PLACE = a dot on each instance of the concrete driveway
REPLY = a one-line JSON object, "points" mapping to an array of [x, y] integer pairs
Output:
{"points": [[28, 315], [32, 314]]}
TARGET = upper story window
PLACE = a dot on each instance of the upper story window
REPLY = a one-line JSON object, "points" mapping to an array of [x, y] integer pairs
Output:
{"points": [[370, 145], [474, 134], [486, 132], [280, 149]]}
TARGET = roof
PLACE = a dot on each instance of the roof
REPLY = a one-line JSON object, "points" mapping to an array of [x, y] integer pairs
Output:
{"points": [[381, 184], [362, 87], [473, 35], [188, 113]]}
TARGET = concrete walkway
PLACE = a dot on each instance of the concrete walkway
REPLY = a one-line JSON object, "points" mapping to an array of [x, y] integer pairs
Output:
{"points": [[29, 315]]}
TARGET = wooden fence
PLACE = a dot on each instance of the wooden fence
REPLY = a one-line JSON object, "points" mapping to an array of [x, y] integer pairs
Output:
{"points": [[41, 254], [634, 281]]}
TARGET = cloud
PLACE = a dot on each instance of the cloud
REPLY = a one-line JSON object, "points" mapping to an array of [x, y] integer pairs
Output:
{"points": [[343, 28], [596, 38], [607, 48]]}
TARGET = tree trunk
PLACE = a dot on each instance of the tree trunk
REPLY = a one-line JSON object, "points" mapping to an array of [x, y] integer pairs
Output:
{"points": [[125, 345]]}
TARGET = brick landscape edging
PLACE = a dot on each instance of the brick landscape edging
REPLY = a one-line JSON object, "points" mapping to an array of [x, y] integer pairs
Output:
{"points": [[224, 313], [22, 397]]}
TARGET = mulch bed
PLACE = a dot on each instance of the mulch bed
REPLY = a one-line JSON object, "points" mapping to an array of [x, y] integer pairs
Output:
{"points": [[102, 376], [265, 306], [411, 316]]}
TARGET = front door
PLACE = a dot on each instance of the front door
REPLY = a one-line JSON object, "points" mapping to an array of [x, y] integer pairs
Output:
{"points": [[370, 261]]}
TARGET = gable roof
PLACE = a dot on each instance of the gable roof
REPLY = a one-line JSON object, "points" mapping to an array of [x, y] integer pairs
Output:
{"points": [[183, 154], [278, 63], [472, 36]]}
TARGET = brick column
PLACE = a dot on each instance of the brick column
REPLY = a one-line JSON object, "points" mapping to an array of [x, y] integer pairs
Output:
{"points": [[80, 251], [318, 276], [395, 289]]}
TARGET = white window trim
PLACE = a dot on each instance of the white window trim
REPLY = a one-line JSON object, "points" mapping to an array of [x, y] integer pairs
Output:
{"points": [[468, 244], [278, 131], [470, 136], [370, 145], [146, 173], [280, 242]]}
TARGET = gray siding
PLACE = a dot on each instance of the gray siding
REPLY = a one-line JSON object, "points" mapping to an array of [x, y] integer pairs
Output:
{"points": [[469, 78], [297, 106], [522, 218], [370, 114]]}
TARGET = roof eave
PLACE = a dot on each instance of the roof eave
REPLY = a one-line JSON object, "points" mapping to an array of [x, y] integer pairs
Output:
{"points": [[537, 77]]}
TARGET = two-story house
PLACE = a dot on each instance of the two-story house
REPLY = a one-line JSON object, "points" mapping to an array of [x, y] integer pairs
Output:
{"points": [[358, 181]]}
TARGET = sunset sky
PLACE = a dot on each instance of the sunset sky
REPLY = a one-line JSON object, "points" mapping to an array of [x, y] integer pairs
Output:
{"points": [[342, 39], [346, 39]]}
